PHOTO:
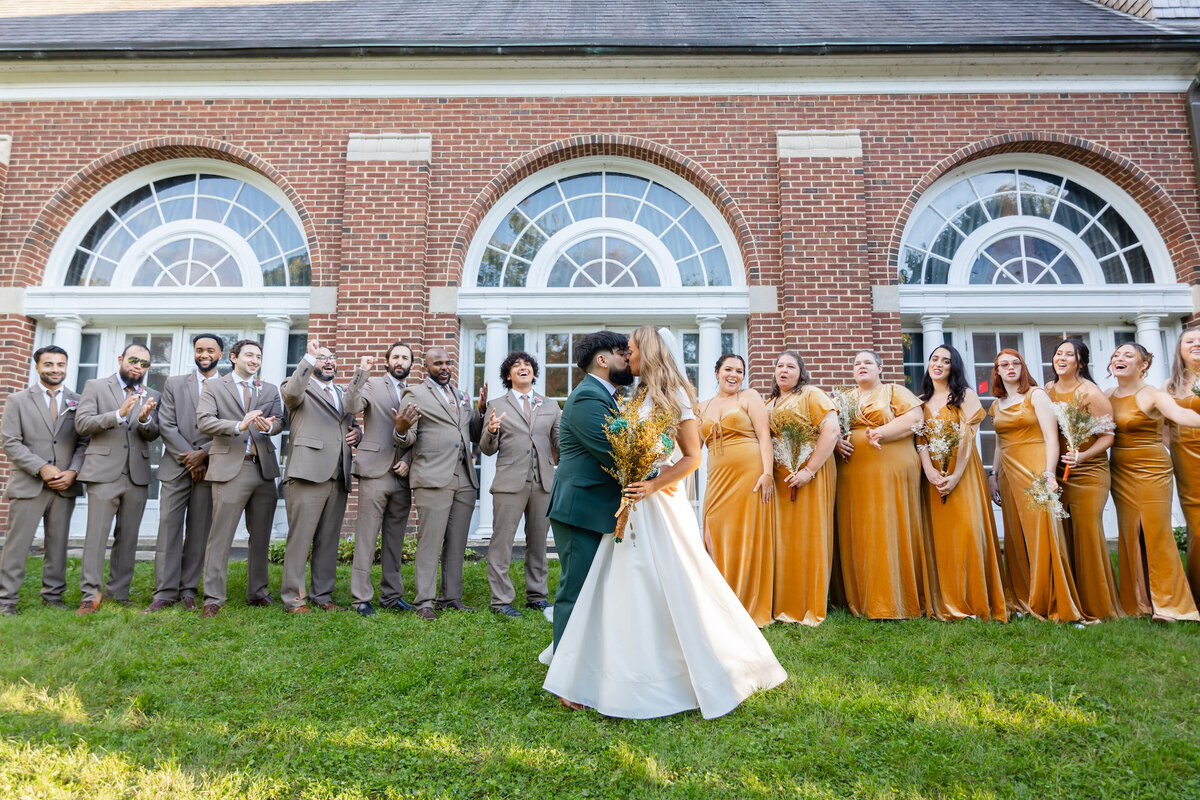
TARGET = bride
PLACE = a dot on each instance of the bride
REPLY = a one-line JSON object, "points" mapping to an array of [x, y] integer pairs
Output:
{"points": [[656, 630]]}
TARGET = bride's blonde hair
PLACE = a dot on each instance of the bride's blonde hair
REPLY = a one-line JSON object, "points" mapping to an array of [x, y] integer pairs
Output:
{"points": [[659, 375]]}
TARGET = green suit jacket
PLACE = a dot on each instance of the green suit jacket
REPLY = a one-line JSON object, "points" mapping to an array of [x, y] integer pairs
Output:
{"points": [[583, 494]]}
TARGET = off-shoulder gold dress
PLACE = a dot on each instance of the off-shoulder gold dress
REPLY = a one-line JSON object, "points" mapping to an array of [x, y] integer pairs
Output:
{"points": [[1185, 455], [741, 526], [1084, 495], [1035, 549], [804, 527], [1152, 578], [961, 545], [878, 515]]}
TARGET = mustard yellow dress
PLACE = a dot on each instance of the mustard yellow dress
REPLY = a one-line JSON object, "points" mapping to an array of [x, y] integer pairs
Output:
{"points": [[961, 545], [740, 525], [1084, 495], [1152, 577], [878, 514], [1185, 456], [1035, 549], [804, 527]]}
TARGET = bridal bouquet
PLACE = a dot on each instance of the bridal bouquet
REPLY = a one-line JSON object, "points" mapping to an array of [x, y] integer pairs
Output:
{"points": [[846, 400], [637, 445], [942, 438], [1078, 425], [1043, 498], [793, 437]]}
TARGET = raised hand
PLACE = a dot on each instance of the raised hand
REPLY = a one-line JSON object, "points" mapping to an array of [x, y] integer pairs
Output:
{"points": [[147, 407], [127, 407], [313, 347], [368, 362], [483, 395], [493, 423], [405, 418]]}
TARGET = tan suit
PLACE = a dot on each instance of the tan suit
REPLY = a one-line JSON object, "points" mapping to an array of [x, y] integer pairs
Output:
{"points": [[315, 486], [240, 482], [31, 441], [384, 498], [444, 486], [184, 506], [116, 468], [528, 450]]}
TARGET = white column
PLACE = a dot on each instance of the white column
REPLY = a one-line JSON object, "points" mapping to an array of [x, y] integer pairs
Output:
{"points": [[68, 334], [495, 349], [708, 352], [1149, 336], [932, 335], [275, 342]]}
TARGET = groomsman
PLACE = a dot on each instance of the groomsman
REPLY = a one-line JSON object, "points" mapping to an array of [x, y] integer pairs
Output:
{"points": [[523, 427], [317, 480], [118, 413], [384, 498], [38, 429], [439, 425], [241, 414], [185, 496]]}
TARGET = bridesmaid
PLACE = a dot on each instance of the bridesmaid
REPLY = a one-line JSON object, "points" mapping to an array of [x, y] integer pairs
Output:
{"points": [[1185, 447], [804, 526], [739, 522], [1085, 491], [1027, 446], [962, 548], [879, 500], [1152, 577]]}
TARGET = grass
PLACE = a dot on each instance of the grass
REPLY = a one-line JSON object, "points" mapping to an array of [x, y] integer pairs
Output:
{"points": [[261, 705]]}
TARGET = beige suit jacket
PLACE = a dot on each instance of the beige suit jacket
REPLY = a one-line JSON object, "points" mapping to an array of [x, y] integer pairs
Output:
{"points": [[218, 415], [440, 438], [514, 439], [113, 445], [376, 399], [318, 429], [31, 441], [177, 424]]}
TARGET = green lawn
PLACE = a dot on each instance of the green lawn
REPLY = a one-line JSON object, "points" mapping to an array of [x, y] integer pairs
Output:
{"points": [[262, 705]]}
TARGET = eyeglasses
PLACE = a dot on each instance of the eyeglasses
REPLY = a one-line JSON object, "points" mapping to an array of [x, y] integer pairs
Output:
{"points": [[330, 357], [138, 362]]}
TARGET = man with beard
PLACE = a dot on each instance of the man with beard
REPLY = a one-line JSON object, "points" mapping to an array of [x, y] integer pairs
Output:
{"points": [[241, 414], [439, 426], [384, 498], [317, 480], [118, 412], [184, 496], [38, 428]]}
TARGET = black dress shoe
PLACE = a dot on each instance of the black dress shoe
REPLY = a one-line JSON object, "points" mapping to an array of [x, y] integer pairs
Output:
{"points": [[56, 604], [506, 610], [364, 609], [540, 605], [457, 605], [400, 604]]}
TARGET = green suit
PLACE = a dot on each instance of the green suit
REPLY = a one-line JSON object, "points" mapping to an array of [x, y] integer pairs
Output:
{"points": [[584, 498]]}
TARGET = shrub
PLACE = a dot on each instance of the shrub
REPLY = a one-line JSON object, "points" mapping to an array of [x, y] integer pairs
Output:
{"points": [[1181, 538]]}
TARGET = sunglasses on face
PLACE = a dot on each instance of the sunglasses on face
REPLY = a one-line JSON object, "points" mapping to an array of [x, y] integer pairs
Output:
{"points": [[134, 361]]}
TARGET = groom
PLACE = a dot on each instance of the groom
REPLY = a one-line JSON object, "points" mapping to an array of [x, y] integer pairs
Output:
{"points": [[584, 498]]}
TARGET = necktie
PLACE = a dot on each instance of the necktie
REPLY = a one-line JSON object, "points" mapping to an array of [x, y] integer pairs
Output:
{"points": [[53, 405], [449, 395], [329, 394], [245, 397], [203, 383], [525, 408]]}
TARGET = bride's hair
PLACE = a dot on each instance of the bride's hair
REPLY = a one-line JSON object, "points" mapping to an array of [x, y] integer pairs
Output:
{"points": [[659, 374]]}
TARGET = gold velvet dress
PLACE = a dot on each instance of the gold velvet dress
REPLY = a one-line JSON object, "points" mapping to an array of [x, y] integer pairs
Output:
{"points": [[1035, 548], [961, 545], [878, 515], [804, 527], [1185, 455], [1084, 496], [741, 526], [1152, 578]]}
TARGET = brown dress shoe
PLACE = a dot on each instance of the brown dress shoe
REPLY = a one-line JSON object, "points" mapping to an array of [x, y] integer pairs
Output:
{"points": [[210, 610], [297, 610], [189, 603], [86, 607], [457, 605], [425, 612], [157, 605], [331, 606], [260, 601]]}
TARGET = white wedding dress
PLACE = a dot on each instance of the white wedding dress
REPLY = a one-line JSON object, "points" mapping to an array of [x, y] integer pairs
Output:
{"points": [[656, 629]]}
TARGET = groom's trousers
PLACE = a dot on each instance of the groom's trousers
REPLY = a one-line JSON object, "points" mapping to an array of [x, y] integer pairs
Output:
{"points": [[576, 549]]}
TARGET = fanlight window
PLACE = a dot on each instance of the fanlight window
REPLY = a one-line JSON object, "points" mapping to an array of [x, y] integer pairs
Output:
{"points": [[604, 260], [189, 259], [935, 237]]}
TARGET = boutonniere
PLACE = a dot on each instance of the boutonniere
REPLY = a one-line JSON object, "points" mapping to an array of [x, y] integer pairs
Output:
{"points": [[537, 401], [256, 384], [72, 405], [141, 392]]}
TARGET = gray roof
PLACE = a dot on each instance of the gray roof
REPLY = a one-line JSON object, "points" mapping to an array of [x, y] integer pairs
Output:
{"points": [[363, 27]]}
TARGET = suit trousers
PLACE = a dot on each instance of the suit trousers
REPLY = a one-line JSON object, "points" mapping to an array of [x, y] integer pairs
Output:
{"points": [[125, 501], [444, 520], [54, 511], [507, 509], [257, 496], [314, 512], [383, 506], [184, 518], [576, 550]]}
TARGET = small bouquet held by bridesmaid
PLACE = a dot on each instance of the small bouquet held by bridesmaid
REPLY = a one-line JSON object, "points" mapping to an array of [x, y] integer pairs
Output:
{"points": [[637, 444], [1078, 425], [1043, 498], [942, 438], [846, 400], [793, 437]]}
